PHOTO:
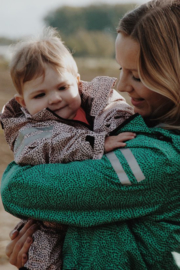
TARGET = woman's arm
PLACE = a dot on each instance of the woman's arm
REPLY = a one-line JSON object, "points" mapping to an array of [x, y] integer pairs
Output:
{"points": [[124, 184], [84, 193]]}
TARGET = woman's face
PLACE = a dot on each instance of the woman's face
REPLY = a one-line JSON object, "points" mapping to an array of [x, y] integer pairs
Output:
{"points": [[145, 101]]}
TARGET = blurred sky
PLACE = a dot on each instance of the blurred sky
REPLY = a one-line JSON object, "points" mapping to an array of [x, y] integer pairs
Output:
{"points": [[20, 18]]}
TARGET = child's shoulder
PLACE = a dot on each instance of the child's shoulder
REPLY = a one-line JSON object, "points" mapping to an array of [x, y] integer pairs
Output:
{"points": [[99, 83]]}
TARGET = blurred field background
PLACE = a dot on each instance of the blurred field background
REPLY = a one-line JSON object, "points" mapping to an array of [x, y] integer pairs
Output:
{"points": [[89, 32]]}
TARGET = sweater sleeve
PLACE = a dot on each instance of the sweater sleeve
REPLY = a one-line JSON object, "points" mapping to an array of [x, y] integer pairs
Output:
{"points": [[125, 184]]}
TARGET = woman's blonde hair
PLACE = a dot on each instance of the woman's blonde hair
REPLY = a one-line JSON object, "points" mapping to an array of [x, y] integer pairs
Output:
{"points": [[156, 27], [32, 55]]}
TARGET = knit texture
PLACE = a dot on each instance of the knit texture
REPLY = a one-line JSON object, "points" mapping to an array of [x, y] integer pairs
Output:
{"points": [[111, 225]]}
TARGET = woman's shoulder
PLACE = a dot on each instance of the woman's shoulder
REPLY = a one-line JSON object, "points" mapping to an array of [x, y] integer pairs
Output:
{"points": [[154, 149]]}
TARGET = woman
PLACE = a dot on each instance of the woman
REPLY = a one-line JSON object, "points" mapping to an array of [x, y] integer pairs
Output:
{"points": [[123, 211]]}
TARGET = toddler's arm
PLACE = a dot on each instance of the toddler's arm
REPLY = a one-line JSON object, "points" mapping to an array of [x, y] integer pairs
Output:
{"points": [[113, 142], [61, 144]]}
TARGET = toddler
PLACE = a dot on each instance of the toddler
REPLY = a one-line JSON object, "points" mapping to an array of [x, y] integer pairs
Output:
{"points": [[56, 117]]}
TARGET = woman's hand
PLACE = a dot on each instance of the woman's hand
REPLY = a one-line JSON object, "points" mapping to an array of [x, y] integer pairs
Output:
{"points": [[17, 249]]}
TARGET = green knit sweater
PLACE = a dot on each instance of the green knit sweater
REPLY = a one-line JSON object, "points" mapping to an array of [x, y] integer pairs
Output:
{"points": [[123, 211]]}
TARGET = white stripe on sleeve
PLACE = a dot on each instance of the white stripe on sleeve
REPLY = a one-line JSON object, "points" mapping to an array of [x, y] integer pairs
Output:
{"points": [[118, 168], [133, 164]]}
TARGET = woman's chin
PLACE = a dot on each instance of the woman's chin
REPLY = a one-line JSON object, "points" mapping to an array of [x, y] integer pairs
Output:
{"points": [[142, 111]]}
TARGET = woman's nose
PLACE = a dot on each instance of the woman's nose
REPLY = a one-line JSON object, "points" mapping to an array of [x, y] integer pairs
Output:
{"points": [[54, 98], [123, 84]]}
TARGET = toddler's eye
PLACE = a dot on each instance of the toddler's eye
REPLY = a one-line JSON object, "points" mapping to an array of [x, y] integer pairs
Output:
{"points": [[120, 68], [40, 95], [62, 87]]}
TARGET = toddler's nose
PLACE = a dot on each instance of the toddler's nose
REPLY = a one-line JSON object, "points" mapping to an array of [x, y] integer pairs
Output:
{"points": [[54, 98]]}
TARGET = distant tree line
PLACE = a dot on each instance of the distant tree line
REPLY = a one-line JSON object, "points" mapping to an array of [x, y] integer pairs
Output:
{"points": [[6, 41], [88, 31]]}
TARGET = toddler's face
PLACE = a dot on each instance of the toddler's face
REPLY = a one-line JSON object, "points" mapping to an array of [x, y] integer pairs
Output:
{"points": [[58, 92]]}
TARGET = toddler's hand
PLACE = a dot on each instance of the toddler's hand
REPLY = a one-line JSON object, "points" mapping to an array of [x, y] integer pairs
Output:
{"points": [[113, 142]]}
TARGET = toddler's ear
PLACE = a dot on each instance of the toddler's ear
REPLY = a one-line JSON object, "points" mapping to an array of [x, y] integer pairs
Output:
{"points": [[78, 78], [20, 100]]}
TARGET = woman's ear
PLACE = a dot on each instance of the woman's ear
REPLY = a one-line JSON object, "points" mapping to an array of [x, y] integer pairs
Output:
{"points": [[20, 100]]}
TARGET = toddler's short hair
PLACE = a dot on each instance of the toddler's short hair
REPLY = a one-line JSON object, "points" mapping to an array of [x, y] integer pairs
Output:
{"points": [[32, 56]]}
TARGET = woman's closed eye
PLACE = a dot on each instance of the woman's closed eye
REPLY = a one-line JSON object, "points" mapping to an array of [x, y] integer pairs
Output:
{"points": [[136, 79]]}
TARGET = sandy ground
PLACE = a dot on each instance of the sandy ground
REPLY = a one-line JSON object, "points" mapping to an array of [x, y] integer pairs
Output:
{"points": [[7, 221], [7, 267]]}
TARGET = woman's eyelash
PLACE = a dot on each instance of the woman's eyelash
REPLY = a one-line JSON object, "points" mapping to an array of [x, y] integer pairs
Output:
{"points": [[136, 79]]}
